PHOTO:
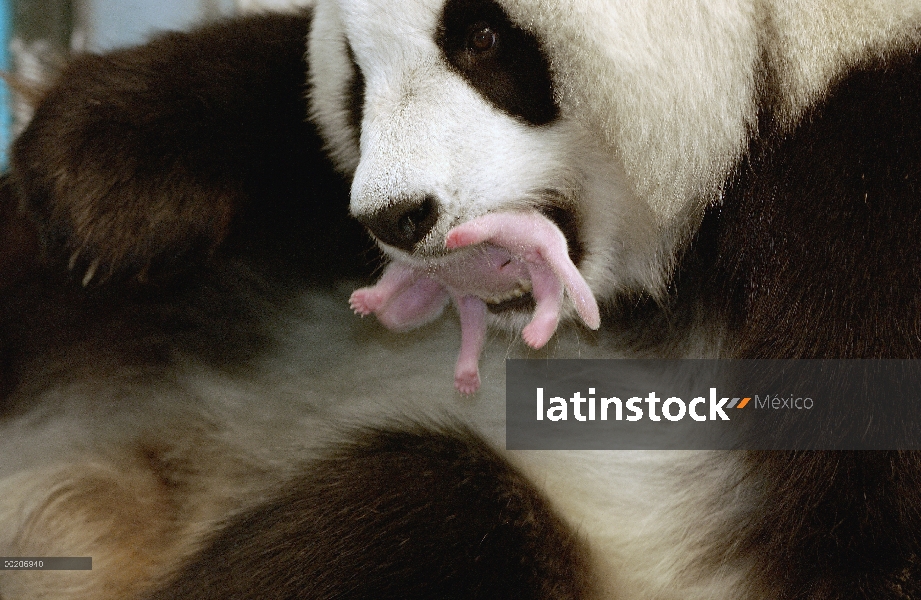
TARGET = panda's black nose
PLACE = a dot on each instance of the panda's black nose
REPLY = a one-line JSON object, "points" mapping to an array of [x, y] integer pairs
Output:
{"points": [[402, 223]]}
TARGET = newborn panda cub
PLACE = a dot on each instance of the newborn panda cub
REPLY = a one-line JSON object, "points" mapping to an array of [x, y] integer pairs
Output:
{"points": [[521, 252]]}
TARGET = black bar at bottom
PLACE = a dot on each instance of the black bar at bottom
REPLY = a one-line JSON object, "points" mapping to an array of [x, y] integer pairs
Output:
{"points": [[46, 563]]}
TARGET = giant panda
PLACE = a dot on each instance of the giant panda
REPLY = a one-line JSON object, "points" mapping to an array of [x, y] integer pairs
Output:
{"points": [[188, 399]]}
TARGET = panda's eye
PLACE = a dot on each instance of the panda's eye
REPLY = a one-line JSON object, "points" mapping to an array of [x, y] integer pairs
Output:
{"points": [[481, 38], [502, 61]]}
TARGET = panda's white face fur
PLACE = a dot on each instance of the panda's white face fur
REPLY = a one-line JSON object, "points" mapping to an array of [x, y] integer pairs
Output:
{"points": [[425, 131], [656, 104]]}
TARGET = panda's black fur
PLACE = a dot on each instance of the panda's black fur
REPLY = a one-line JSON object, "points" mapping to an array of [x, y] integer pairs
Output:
{"points": [[183, 187], [472, 528]]}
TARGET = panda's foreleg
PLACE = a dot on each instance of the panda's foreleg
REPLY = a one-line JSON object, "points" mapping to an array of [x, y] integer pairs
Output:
{"points": [[143, 157], [417, 513]]}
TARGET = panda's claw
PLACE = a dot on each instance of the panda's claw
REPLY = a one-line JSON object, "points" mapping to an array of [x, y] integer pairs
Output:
{"points": [[90, 273], [364, 301], [73, 260], [467, 382], [402, 299], [397, 278]]}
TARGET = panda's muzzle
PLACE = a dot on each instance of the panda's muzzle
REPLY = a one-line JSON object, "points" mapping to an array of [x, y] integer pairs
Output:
{"points": [[402, 223]]}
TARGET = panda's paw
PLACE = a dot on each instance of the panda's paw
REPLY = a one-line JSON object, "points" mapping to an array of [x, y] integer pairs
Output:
{"points": [[107, 221], [105, 239], [394, 282], [121, 174], [539, 331], [401, 299]]}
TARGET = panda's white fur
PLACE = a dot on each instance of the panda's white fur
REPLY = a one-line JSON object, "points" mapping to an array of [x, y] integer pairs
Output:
{"points": [[658, 105], [77, 478], [426, 131]]}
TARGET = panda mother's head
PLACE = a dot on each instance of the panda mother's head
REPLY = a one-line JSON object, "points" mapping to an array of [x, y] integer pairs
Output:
{"points": [[446, 110]]}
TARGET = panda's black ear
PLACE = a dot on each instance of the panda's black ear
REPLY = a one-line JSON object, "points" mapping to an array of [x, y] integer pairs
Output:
{"points": [[151, 156]]}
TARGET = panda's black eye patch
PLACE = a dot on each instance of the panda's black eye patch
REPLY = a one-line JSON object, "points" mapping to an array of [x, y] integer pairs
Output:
{"points": [[482, 38], [500, 60]]}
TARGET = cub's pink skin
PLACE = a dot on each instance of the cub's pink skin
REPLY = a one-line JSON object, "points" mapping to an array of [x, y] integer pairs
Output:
{"points": [[405, 297], [472, 313], [511, 252], [402, 299], [540, 244], [397, 278]]}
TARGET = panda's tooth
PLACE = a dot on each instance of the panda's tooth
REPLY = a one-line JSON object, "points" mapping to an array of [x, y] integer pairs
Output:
{"points": [[524, 287]]}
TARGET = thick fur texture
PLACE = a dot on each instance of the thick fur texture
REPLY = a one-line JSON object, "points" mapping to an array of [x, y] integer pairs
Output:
{"points": [[187, 399]]}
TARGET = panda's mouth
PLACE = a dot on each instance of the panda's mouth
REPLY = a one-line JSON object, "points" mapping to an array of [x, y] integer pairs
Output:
{"points": [[520, 300], [519, 262], [568, 224]]}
